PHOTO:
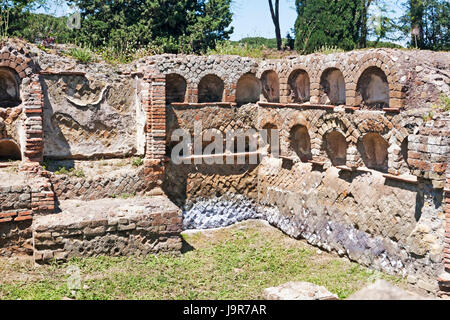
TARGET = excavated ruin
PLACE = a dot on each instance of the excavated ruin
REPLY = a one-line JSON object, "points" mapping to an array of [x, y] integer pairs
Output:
{"points": [[360, 166]]}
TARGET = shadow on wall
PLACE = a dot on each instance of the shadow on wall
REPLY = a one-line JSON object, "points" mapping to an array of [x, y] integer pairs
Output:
{"points": [[51, 128], [335, 146], [374, 151], [175, 88], [300, 142], [210, 89], [9, 150], [373, 89], [248, 89], [270, 86], [9, 88], [332, 87], [299, 87]]}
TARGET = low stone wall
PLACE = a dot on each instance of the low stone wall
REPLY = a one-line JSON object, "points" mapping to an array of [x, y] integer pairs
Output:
{"points": [[108, 227], [131, 182]]}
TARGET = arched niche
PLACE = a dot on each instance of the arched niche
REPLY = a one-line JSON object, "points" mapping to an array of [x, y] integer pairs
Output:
{"points": [[210, 89], [9, 150], [9, 88], [299, 86], [300, 142], [373, 88], [248, 89], [175, 88], [270, 86], [335, 146], [332, 86], [374, 151]]}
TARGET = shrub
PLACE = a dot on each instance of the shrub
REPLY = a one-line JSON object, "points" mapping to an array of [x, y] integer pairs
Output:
{"points": [[83, 55], [137, 162]]}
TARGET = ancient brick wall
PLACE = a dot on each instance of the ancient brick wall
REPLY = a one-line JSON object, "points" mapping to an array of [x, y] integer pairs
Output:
{"points": [[345, 207], [107, 185], [20, 200], [141, 226], [19, 73]]}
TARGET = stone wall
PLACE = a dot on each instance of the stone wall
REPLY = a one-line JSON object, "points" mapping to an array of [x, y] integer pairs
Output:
{"points": [[113, 184], [363, 150], [20, 89], [21, 197], [108, 227], [345, 208]]}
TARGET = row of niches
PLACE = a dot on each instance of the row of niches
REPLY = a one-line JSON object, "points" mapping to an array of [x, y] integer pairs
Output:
{"points": [[9, 88], [371, 149], [372, 88]]}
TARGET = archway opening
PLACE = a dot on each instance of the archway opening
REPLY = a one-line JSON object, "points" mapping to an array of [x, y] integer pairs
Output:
{"points": [[248, 89], [299, 86], [270, 86], [175, 88], [375, 152], [210, 89], [332, 85], [301, 142], [9, 150], [335, 146], [9, 88], [373, 88]]}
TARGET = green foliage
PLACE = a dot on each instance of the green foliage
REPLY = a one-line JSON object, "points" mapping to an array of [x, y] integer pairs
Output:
{"points": [[40, 27], [173, 26], [329, 49], [245, 48], [83, 55], [232, 263], [137, 162], [331, 23], [79, 173], [14, 15], [430, 19], [383, 44], [444, 104]]}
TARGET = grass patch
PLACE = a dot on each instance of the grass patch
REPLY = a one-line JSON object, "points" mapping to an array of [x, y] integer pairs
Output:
{"points": [[232, 263], [82, 55]]}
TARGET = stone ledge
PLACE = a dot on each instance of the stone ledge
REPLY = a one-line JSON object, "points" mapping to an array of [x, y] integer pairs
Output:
{"points": [[108, 227], [203, 104], [402, 178]]}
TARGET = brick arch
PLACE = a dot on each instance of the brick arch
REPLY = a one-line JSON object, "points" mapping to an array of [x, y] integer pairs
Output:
{"points": [[294, 72], [22, 65], [246, 95], [330, 123], [270, 88], [316, 90], [32, 101], [379, 125], [271, 120], [218, 92], [191, 86], [386, 64], [179, 92]]}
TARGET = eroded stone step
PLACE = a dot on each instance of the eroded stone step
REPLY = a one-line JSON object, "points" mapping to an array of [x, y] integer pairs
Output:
{"points": [[114, 227]]}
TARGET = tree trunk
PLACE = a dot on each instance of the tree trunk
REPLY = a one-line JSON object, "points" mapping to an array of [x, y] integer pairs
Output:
{"points": [[275, 13]]}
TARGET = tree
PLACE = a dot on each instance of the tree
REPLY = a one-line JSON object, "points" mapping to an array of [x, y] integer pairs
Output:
{"points": [[13, 14], [174, 25], [275, 13], [427, 22], [327, 23]]}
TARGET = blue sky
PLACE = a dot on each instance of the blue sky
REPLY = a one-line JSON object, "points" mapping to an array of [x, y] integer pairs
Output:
{"points": [[251, 18]]}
